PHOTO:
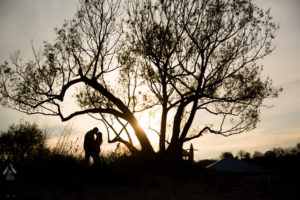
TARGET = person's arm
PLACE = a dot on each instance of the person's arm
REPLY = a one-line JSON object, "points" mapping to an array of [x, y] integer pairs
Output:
{"points": [[4, 172], [13, 170]]}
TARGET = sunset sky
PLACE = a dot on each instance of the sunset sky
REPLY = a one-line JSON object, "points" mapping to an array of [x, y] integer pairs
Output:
{"points": [[22, 21]]}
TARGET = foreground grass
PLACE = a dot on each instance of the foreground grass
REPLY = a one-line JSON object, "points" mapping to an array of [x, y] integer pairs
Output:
{"points": [[121, 177]]}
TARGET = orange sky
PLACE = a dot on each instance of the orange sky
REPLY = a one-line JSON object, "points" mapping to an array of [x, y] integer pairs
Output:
{"points": [[21, 21]]}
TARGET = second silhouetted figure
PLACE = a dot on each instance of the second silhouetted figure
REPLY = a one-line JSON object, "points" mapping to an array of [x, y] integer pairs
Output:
{"points": [[92, 145]]}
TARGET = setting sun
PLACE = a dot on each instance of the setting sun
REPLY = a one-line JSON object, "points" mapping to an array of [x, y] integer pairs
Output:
{"points": [[150, 124]]}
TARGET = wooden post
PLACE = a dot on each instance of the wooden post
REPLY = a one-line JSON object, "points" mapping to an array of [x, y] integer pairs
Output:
{"points": [[191, 153]]}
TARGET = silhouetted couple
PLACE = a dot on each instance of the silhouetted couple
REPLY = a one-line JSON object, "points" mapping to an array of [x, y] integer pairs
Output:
{"points": [[92, 142]]}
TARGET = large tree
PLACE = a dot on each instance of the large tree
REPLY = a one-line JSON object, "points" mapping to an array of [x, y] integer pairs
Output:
{"points": [[175, 58]]}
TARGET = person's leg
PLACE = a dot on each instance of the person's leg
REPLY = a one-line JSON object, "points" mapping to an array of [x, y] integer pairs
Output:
{"points": [[9, 189], [96, 157], [87, 158]]}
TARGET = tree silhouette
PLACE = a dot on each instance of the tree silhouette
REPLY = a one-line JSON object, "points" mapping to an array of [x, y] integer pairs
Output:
{"points": [[178, 59], [298, 147], [226, 155], [21, 141], [243, 155], [257, 154]]}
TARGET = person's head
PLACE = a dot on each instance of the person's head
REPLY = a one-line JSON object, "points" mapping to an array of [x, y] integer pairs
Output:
{"points": [[99, 134], [10, 166], [95, 130]]}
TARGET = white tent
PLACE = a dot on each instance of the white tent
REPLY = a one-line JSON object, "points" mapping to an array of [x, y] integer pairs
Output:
{"points": [[230, 164]]}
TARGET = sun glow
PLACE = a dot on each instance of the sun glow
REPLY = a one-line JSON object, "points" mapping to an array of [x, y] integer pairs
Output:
{"points": [[150, 125]]}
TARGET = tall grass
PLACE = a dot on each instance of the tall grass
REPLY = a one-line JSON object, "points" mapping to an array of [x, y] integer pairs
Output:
{"points": [[66, 146]]}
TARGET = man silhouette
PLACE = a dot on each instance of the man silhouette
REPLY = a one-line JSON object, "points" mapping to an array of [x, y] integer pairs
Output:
{"points": [[91, 145], [96, 147]]}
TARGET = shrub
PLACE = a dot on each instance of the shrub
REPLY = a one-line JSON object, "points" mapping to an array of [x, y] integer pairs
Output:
{"points": [[226, 155], [21, 141]]}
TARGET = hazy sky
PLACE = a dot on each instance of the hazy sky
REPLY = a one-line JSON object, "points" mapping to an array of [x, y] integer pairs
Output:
{"points": [[22, 21]]}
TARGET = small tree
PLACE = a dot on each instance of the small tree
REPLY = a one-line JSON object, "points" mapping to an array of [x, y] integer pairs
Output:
{"points": [[270, 154], [243, 154], [226, 155], [21, 141], [279, 151], [257, 154], [179, 59], [298, 147]]}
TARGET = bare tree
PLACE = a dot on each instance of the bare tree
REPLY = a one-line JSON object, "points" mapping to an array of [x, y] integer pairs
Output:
{"points": [[201, 56], [176, 57]]}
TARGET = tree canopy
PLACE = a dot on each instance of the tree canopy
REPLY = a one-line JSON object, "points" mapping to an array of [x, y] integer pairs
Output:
{"points": [[178, 59]]}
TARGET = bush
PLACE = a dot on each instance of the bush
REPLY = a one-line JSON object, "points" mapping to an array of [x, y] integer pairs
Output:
{"points": [[21, 141], [226, 155], [243, 155], [298, 147], [257, 154]]}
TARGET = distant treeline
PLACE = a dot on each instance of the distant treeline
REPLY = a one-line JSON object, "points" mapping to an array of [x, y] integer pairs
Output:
{"points": [[26, 140], [279, 159], [273, 153]]}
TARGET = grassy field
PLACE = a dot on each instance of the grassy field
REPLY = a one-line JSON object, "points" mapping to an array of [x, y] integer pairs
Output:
{"points": [[121, 177]]}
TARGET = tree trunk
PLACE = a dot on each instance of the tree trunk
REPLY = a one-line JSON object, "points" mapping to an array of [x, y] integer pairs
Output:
{"points": [[141, 135], [163, 126], [139, 132], [175, 150]]}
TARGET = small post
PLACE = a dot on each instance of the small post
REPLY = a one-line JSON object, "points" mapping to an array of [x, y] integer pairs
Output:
{"points": [[191, 153]]}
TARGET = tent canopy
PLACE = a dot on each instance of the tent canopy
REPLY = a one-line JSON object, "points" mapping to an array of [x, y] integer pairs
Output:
{"points": [[234, 165]]}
